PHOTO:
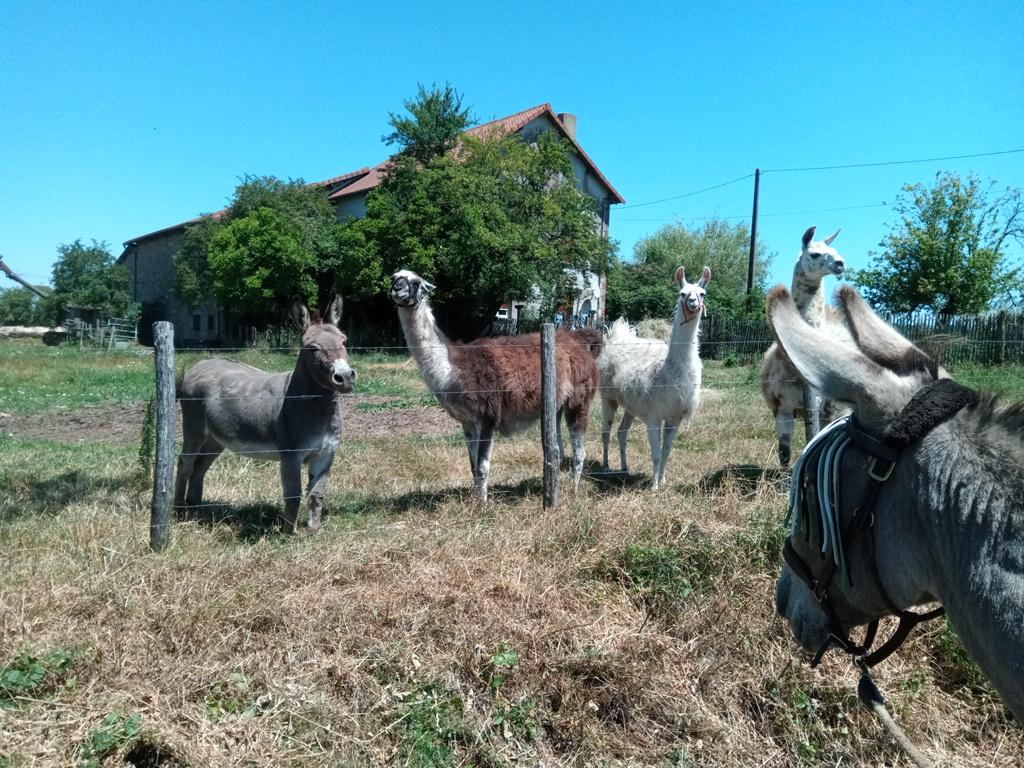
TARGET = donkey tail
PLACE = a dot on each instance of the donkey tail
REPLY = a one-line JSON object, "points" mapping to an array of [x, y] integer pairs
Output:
{"points": [[592, 338]]}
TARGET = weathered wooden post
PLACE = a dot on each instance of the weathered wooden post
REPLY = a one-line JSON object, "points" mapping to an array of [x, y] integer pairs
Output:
{"points": [[163, 475], [549, 414]]}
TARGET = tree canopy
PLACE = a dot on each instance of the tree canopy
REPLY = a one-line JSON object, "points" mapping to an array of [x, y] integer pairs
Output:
{"points": [[86, 276], [495, 220], [433, 126], [948, 252], [19, 306], [645, 287], [276, 239]]}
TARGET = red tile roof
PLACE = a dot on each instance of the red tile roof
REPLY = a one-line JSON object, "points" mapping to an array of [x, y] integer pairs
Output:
{"points": [[365, 179]]}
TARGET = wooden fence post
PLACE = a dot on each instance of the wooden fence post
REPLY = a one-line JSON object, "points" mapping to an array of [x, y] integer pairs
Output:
{"points": [[549, 414], [163, 475]]}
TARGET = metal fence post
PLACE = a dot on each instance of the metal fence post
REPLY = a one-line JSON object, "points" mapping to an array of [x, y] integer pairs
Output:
{"points": [[549, 420], [163, 475]]}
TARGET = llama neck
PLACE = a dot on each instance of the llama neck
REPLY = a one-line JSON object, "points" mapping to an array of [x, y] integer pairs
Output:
{"points": [[683, 342], [809, 296], [428, 346]]}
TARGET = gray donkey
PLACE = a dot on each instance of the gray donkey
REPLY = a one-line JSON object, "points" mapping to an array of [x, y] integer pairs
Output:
{"points": [[942, 518], [293, 418]]}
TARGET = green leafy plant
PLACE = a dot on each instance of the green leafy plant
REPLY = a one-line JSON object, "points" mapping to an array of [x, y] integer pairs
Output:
{"points": [[115, 731], [502, 664], [30, 675], [518, 721]]}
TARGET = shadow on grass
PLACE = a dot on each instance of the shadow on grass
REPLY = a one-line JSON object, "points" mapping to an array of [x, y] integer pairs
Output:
{"points": [[746, 477], [433, 500], [249, 521], [27, 497]]}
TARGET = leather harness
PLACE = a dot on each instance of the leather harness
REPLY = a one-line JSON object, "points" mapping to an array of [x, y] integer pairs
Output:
{"points": [[929, 407]]}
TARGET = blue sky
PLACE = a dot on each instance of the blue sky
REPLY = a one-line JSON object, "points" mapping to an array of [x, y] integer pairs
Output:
{"points": [[122, 118]]}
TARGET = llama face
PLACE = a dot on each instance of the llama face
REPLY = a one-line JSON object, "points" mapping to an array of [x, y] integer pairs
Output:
{"points": [[818, 258], [691, 295], [408, 289]]}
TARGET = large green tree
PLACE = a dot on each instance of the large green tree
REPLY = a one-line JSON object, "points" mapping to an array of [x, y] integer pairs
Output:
{"points": [[950, 249], [435, 121], [276, 239], [645, 287], [20, 306], [86, 276], [494, 219]]}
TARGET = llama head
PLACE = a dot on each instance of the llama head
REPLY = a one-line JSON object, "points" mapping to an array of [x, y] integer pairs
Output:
{"points": [[691, 295], [818, 258], [408, 289]]}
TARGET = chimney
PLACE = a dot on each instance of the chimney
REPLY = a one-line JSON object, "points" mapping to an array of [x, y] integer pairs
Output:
{"points": [[568, 121]]}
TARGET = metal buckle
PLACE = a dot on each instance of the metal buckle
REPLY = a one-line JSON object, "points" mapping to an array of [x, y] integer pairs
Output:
{"points": [[880, 478]]}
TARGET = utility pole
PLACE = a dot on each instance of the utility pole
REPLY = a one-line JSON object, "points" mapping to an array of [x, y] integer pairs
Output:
{"points": [[7, 271], [753, 232]]}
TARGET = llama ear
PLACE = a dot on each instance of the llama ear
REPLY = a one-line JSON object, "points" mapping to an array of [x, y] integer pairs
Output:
{"points": [[808, 235], [680, 276], [838, 371], [299, 313], [833, 236], [880, 342], [332, 312], [705, 278]]}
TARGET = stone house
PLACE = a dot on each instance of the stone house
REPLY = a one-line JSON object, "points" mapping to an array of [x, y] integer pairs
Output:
{"points": [[150, 263]]}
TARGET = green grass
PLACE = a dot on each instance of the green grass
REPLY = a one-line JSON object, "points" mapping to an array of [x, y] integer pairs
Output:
{"points": [[1007, 381]]}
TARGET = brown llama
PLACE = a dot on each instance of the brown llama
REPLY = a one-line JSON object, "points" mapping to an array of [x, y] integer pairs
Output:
{"points": [[494, 384]]}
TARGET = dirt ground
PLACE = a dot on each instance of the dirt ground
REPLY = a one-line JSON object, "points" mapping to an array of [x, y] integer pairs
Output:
{"points": [[122, 423]]}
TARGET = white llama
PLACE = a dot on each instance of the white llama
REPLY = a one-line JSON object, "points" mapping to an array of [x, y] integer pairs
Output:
{"points": [[781, 384], [654, 381]]}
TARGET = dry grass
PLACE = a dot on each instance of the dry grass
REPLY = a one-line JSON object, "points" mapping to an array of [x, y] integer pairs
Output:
{"points": [[625, 628]]}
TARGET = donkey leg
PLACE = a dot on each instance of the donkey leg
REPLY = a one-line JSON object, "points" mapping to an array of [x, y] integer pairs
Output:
{"points": [[485, 436], [206, 455], [668, 434], [319, 469], [291, 484], [784, 422], [624, 425], [608, 408], [654, 437]]}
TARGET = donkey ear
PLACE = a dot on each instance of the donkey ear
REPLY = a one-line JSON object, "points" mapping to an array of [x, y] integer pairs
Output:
{"points": [[332, 311], [882, 343], [299, 313], [705, 278], [680, 276], [833, 236], [838, 371], [808, 235]]}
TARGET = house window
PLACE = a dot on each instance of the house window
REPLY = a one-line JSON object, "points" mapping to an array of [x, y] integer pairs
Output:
{"points": [[209, 322], [197, 322]]}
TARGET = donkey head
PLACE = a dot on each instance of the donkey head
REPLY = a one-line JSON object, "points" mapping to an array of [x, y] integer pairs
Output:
{"points": [[691, 295], [323, 350], [408, 289], [878, 378], [818, 259]]}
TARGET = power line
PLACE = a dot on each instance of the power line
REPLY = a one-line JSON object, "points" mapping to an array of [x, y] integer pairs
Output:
{"points": [[689, 194], [890, 162], [763, 215]]}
